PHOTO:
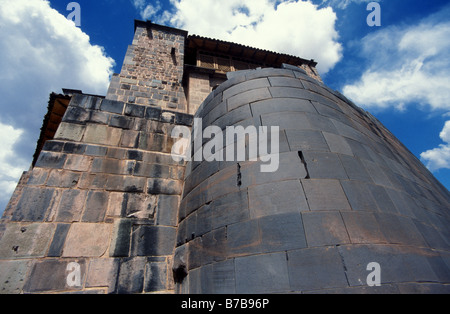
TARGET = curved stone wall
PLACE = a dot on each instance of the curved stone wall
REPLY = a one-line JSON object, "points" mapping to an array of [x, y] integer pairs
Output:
{"points": [[346, 194]]}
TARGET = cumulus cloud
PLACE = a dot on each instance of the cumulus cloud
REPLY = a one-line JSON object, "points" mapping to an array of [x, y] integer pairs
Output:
{"points": [[298, 28], [11, 167], [40, 52], [343, 4], [406, 66], [439, 158]]}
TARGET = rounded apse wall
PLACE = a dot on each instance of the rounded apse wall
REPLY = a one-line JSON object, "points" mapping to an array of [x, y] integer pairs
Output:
{"points": [[349, 209]]}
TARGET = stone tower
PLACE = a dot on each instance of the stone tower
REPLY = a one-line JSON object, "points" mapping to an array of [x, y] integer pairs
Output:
{"points": [[105, 208]]}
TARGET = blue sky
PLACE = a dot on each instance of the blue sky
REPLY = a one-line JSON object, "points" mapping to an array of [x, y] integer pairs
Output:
{"points": [[399, 71]]}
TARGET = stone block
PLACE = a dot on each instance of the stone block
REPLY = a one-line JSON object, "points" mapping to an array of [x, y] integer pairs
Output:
{"points": [[324, 229], [167, 210], [290, 167], [286, 120], [135, 110], [398, 264], [227, 210], [316, 269], [214, 247], [63, 179], [140, 206], [74, 148], [153, 113], [130, 139], [254, 272], [12, 276], [71, 206], [433, 237], [38, 176], [112, 106], [121, 236], [153, 241], [247, 97], [282, 232], [70, 131], [359, 196], [59, 238], [270, 72], [156, 277], [363, 227], [325, 194], [34, 204], [142, 169], [53, 146], [281, 105], [125, 184], [377, 174], [51, 160], [99, 117], [355, 169], [78, 163], [96, 206], [400, 230], [276, 198], [285, 81], [382, 198], [51, 275], [245, 86], [320, 123], [26, 240], [243, 238], [98, 151], [112, 166], [324, 165], [76, 115], [306, 140], [131, 275], [87, 240], [337, 144], [102, 135], [164, 186], [102, 272]]}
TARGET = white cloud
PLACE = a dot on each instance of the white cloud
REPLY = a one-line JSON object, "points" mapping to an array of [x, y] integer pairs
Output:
{"points": [[439, 158], [11, 166], [298, 28], [406, 66], [40, 52], [343, 4]]}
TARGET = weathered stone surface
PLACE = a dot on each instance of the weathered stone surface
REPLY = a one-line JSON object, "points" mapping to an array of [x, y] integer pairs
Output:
{"points": [[102, 134], [324, 166], [325, 195], [253, 272], [291, 236], [13, 276], [34, 204], [153, 241], [315, 269], [95, 208], [59, 239], [276, 198], [324, 228], [87, 240], [26, 240], [51, 275], [70, 131], [102, 272]]}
